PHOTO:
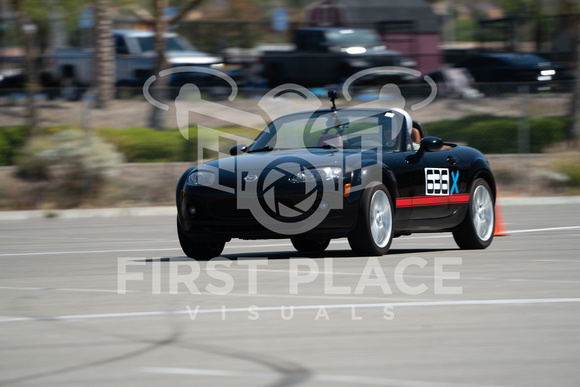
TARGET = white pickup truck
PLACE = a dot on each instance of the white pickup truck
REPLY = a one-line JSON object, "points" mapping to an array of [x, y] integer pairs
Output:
{"points": [[71, 70]]}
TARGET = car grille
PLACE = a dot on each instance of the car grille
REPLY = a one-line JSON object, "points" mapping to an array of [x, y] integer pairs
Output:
{"points": [[228, 209]]}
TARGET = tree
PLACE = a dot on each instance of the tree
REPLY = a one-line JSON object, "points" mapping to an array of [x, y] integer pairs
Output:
{"points": [[104, 54], [574, 132], [160, 24], [25, 12], [28, 32]]}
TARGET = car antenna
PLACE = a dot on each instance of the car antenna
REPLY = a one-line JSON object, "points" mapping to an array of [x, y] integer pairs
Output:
{"points": [[332, 95]]}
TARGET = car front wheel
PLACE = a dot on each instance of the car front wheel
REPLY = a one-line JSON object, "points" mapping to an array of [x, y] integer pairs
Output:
{"points": [[374, 230], [198, 249], [477, 229]]}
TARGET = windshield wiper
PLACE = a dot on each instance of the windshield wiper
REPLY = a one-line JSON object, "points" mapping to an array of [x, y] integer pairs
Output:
{"points": [[267, 148]]}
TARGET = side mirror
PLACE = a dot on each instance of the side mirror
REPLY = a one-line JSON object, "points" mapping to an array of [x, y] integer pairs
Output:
{"points": [[238, 149], [427, 144], [431, 144]]}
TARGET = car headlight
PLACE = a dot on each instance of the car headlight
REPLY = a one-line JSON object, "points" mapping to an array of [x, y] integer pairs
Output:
{"points": [[324, 174], [355, 50], [201, 178]]}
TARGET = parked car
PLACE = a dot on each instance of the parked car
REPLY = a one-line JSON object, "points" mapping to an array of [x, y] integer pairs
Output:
{"points": [[73, 69], [365, 174], [515, 68], [11, 80], [324, 56]]}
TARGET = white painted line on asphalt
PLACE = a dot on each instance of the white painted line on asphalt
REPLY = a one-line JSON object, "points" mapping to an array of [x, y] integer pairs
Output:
{"points": [[544, 229], [87, 252], [333, 273], [352, 380], [68, 289], [253, 309], [259, 295], [556, 260], [252, 246]]}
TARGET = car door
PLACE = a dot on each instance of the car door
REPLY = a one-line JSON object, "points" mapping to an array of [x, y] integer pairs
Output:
{"points": [[435, 188]]}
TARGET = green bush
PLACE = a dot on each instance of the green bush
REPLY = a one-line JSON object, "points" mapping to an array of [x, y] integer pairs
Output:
{"points": [[31, 165], [499, 134], [77, 164], [571, 168], [79, 154], [149, 145], [546, 131], [5, 149], [12, 139], [496, 136], [487, 133], [453, 130]]}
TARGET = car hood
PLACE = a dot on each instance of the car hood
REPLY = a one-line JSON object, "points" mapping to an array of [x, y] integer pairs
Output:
{"points": [[258, 161], [290, 161]]}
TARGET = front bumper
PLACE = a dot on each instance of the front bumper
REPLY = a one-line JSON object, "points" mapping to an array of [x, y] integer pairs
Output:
{"points": [[221, 217]]}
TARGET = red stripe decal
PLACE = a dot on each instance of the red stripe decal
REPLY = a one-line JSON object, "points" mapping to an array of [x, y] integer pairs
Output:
{"points": [[421, 201]]}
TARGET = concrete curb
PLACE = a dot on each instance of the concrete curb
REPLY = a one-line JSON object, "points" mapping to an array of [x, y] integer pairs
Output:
{"points": [[88, 213], [171, 210]]}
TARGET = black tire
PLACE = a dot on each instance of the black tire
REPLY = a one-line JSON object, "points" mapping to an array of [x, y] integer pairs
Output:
{"points": [[196, 249], [304, 245], [373, 233], [477, 229]]}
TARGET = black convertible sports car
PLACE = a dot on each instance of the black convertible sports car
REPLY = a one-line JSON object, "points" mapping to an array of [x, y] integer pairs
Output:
{"points": [[366, 174]]}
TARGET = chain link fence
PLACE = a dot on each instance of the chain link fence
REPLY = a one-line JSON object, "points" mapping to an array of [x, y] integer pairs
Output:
{"points": [[523, 131]]}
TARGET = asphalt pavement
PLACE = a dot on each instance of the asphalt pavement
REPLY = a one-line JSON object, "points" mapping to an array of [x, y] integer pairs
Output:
{"points": [[109, 298]]}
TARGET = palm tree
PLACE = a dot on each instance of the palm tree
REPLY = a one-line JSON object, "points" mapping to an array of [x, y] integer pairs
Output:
{"points": [[160, 24], [104, 54], [28, 32]]}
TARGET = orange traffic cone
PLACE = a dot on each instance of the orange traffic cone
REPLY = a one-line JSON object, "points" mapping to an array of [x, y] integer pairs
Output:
{"points": [[500, 229]]}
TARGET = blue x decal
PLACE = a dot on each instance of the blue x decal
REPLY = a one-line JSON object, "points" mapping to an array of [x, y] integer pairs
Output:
{"points": [[455, 176]]}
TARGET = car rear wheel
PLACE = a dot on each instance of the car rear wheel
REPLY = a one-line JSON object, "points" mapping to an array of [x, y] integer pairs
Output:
{"points": [[198, 249], [477, 229], [374, 230], [305, 245]]}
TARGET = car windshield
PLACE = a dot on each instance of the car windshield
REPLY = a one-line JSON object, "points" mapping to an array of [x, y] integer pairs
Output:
{"points": [[356, 129], [349, 38], [174, 43]]}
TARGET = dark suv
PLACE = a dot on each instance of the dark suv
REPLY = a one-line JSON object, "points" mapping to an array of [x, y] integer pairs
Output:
{"points": [[515, 69]]}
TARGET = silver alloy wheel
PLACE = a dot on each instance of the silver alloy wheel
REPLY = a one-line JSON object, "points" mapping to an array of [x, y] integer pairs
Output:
{"points": [[483, 214], [380, 218]]}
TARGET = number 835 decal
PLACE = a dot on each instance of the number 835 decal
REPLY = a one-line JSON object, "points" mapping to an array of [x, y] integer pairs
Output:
{"points": [[439, 181]]}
